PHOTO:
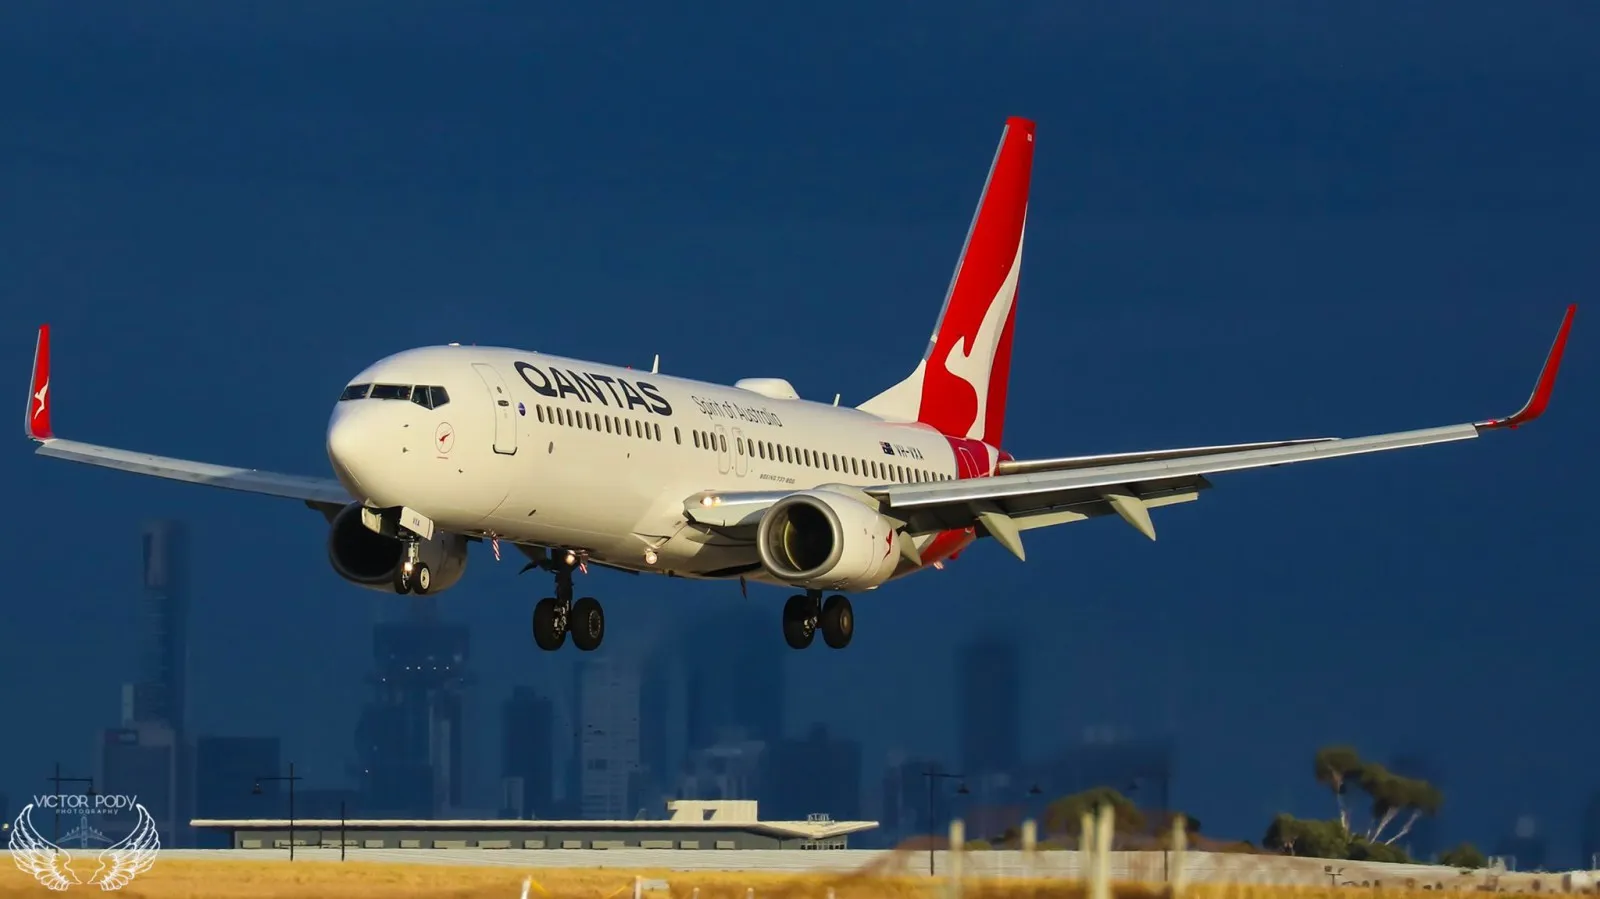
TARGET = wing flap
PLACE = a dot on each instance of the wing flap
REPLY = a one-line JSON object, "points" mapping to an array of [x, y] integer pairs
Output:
{"points": [[1000, 487]]}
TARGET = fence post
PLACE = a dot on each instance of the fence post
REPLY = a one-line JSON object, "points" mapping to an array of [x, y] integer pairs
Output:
{"points": [[1180, 844], [958, 842], [1086, 847], [1100, 885], [1030, 844]]}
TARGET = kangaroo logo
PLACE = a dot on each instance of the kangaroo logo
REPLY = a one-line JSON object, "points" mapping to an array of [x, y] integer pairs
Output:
{"points": [[40, 397]]}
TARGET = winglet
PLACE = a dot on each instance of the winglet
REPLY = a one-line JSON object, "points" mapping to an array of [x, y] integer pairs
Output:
{"points": [[1540, 398], [36, 419]]}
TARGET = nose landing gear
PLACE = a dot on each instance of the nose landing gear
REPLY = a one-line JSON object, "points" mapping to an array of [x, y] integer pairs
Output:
{"points": [[804, 614], [412, 573], [556, 616]]}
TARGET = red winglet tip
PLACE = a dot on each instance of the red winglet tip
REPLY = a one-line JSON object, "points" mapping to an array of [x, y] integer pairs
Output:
{"points": [[1539, 400], [37, 421]]}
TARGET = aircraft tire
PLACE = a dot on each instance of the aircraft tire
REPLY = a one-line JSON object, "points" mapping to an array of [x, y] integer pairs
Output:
{"points": [[838, 622], [549, 631], [422, 579], [799, 621], [587, 621]]}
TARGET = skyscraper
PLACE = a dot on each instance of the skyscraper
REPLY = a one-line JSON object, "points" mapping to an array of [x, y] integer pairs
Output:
{"points": [[225, 772], [409, 738], [990, 675], [819, 773], [527, 748], [160, 695], [606, 713], [734, 676]]}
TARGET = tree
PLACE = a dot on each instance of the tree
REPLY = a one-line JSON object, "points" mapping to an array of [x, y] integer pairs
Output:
{"points": [[1312, 839], [1423, 799], [1065, 815], [1334, 767], [1389, 794], [1465, 855]]}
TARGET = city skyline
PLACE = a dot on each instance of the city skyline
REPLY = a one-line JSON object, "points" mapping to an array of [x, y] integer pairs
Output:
{"points": [[411, 741]]}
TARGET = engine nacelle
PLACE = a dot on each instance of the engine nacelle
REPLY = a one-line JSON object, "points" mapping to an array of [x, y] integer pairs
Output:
{"points": [[823, 540], [363, 556]]}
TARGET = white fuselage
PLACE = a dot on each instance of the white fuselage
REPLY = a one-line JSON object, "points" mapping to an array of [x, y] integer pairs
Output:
{"points": [[549, 451]]}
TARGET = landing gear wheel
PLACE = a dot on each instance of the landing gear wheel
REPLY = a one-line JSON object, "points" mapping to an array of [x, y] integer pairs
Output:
{"points": [[549, 625], [402, 580], [838, 622], [799, 621], [588, 624], [421, 578]]}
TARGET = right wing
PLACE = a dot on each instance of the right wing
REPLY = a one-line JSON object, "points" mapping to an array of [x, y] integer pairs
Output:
{"points": [[319, 493], [1054, 491]]}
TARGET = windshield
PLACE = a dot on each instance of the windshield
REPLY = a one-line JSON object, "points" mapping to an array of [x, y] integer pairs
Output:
{"points": [[391, 391]]}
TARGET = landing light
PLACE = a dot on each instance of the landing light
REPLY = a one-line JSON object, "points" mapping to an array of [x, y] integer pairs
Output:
{"points": [[572, 557], [650, 557], [709, 501]]}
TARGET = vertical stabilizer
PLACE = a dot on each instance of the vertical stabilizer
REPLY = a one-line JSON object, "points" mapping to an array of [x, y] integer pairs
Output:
{"points": [[959, 387]]}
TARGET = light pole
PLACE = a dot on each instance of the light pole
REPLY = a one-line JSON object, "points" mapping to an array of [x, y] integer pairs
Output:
{"points": [[933, 775], [58, 780], [256, 791]]}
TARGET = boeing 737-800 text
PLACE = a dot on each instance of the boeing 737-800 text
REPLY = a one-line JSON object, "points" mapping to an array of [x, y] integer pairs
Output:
{"points": [[577, 463]]}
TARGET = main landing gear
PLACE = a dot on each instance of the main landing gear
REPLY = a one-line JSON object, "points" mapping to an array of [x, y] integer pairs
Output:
{"points": [[804, 615], [555, 617]]}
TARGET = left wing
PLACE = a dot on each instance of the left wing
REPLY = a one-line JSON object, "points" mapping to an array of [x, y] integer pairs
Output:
{"points": [[1057, 491], [319, 493]]}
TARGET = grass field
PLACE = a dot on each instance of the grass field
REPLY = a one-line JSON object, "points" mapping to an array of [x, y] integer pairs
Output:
{"points": [[360, 880]]}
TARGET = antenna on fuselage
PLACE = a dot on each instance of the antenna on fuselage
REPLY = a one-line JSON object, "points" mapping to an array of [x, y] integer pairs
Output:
{"points": [[836, 399], [655, 367]]}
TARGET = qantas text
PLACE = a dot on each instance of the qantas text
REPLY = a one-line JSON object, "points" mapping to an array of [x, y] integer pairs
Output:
{"points": [[588, 386]]}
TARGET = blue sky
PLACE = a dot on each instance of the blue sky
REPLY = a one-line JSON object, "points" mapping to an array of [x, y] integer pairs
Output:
{"points": [[1248, 222]]}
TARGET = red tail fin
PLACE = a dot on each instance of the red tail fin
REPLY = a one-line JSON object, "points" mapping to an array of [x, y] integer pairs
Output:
{"points": [[960, 385], [37, 422]]}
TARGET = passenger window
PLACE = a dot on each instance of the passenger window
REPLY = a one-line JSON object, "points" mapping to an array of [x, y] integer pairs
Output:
{"points": [[391, 392], [355, 392], [657, 429], [538, 411], [855, 467], [677, 435], [627, 425], [723, 439]]}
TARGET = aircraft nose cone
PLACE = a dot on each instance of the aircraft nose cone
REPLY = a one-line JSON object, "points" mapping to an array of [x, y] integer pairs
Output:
{"points": [[346, 439]]}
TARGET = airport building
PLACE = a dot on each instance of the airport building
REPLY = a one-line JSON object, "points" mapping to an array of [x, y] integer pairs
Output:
{"points": [[693, 824]]}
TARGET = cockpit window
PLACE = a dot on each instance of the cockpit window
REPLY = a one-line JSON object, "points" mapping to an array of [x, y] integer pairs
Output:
{"points": [[429, 397], [354, 392], [391, 392]]}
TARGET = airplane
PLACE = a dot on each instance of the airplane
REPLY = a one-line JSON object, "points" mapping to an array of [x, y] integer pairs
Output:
{"points": [[580, 464]]}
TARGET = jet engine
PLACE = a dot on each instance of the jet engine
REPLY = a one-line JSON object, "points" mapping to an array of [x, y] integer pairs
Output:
{"points": [[823, 540], [363, 556]]}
